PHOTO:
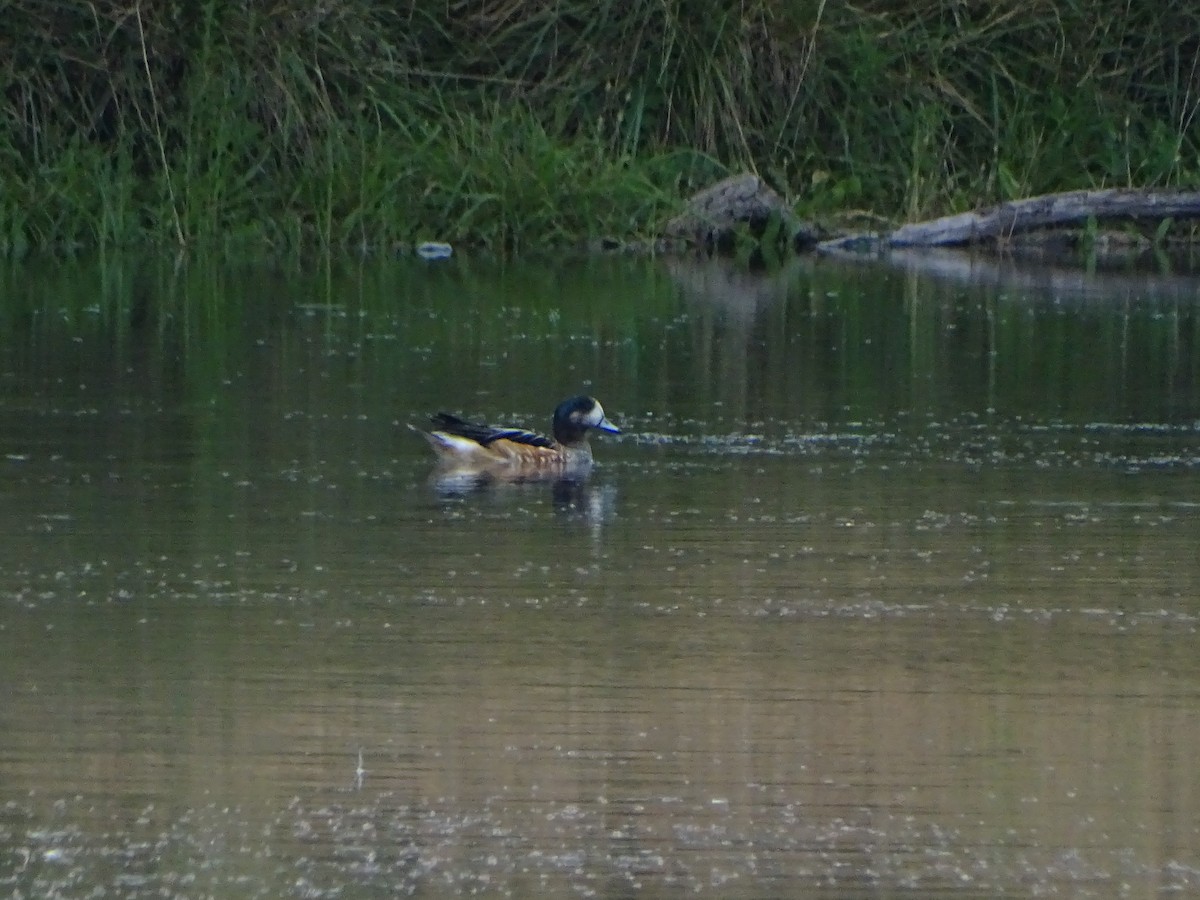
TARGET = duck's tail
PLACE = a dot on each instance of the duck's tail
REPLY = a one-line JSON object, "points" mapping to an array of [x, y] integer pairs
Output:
{"points": [[453, 448]]}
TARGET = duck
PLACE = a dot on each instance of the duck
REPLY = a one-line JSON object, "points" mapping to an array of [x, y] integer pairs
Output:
{"points": [[517, 454]]}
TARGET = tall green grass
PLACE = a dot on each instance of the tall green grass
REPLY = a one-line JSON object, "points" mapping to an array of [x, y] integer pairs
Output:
{"points": [[363, 123]]}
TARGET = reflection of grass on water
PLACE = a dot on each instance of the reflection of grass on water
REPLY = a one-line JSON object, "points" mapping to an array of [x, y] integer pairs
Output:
{"points": [[817, 342], [533, 124], [838, 343], [531, 329]]}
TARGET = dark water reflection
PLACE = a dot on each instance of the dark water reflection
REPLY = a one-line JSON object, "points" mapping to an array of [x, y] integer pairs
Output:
{"points": [[890, 588]]}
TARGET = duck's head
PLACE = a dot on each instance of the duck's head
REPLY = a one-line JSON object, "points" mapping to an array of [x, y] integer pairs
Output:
{"points": [[575, 417]]}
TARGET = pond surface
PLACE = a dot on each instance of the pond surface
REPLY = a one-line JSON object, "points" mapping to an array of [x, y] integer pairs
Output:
{"points": [[890, 587]]}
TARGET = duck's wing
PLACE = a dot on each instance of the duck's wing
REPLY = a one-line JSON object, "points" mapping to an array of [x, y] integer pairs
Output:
{"points": [[488, 434]]}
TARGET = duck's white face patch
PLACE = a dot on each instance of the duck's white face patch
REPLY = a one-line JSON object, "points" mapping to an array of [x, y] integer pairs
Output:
{"points": [[593, 417]]}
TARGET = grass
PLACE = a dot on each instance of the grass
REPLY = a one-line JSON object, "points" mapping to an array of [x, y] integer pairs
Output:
{"points": [[510, 126]]}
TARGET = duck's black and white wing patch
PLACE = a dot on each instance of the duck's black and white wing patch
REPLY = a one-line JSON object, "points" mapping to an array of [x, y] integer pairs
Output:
{"points": [[520, 436], [487, 434]]}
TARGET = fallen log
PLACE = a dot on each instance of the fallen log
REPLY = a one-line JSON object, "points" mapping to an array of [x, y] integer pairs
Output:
{"points": [[1070, 208]]}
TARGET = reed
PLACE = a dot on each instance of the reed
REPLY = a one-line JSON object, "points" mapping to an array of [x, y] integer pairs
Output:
{"points": [[371, 124]]}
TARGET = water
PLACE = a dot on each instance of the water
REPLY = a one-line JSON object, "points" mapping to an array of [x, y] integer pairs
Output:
{"points": [[890, 588]]}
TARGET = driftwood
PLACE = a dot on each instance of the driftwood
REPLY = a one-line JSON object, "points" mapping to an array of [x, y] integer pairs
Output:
{"points": [[1073, 207], [1049, 210]]}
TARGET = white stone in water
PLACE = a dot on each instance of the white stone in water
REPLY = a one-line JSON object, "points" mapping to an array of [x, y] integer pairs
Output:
{"points": [[434, 250]]}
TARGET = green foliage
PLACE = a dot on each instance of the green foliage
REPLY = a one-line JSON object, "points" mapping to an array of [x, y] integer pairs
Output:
{"points": [[370, 124]]}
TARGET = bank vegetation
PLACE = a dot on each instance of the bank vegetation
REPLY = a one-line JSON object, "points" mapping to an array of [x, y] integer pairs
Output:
{"points": [[513, 125]]}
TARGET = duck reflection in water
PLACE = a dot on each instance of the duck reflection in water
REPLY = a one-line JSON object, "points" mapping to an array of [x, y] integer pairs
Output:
{"points": [[472, 456], [576, 499]]}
